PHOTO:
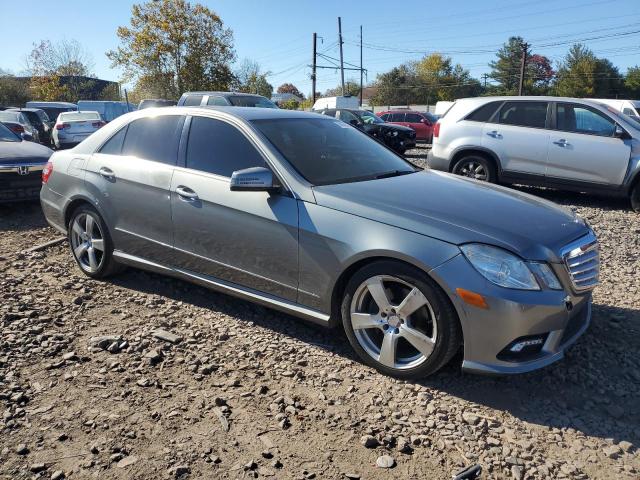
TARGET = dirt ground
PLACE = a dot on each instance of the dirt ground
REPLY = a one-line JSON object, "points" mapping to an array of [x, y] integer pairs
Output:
{"points": [[88, 390]]}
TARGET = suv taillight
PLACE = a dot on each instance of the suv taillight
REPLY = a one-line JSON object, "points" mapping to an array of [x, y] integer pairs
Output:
{"points": [[47, 171], [17, 129], [436, 130], [62, 126]]}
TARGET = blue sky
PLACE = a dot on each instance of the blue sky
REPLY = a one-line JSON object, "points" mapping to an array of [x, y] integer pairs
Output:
{"points": [[277, 34]]}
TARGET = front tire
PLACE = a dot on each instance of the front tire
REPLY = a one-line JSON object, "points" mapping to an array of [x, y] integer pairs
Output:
{"points": [[90, 243], [399, 321], [476, 167]]}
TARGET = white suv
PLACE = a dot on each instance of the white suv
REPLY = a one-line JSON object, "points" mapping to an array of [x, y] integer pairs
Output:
{"points": [[563, 143]]}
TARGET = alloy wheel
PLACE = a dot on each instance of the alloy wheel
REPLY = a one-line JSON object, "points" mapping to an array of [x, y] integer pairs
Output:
{"points": [[87, 242], [393, 322], [473, 169]]}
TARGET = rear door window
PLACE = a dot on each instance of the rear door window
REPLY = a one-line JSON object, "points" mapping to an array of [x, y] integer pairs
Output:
{"points": [[154, 138], [484, 113], [524, 114], [218, 147], [218, 101], [572, 117], [413, 118], [192, 100], [397, 117], [113, 146]]}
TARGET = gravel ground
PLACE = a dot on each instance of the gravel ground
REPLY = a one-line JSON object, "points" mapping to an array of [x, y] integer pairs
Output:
{"points": [[149, 377]]}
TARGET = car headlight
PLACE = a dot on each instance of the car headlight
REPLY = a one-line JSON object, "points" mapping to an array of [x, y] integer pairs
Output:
{"points": [[545, 273], [500, 267]]}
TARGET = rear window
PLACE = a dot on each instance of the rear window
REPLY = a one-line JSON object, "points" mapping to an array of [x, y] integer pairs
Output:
{"points": [[10, 117], [413, 118], [524, 114], [79, 116], [251, 101], [484, 113]]}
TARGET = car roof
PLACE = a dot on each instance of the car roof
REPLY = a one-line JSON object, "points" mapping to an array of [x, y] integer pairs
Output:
{"points": [[53, 104], [532, 98], [24, 109], [223, 94], [402, 110], [255, 113]]}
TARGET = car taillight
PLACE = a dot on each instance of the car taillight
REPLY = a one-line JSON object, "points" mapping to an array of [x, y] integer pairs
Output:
{"points": [[62, 126], [47, 171], [98, 124], [436, 130], [17, 129]]}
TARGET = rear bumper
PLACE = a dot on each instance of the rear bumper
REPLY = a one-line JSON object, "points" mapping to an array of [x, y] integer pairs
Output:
{"points": [[436, 162], [554, 318]]}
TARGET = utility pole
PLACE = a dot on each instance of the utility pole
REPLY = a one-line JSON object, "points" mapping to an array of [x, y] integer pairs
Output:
{"points": [[525, 48], [361, 70], [485, 75], [313, 67], [341, 59]]}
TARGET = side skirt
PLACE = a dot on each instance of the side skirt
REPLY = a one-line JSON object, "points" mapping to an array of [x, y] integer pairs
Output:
{"points": [[226, 287]]}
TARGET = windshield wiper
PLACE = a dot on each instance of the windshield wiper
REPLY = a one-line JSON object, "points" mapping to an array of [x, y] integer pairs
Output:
{"points": [[394, 173]]}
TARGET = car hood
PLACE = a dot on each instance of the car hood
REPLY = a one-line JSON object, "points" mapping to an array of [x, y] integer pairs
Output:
{"points": [[399, 128], [24, 152], [460, 210]]}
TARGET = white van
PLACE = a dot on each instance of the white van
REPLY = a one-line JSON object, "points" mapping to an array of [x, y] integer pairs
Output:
{"points": [[108, 109], [336, 102], [628, 107]]}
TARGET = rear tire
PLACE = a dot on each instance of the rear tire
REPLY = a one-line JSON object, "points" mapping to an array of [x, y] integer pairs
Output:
{"points": [[476, 167], [635, 197], [399, 321], [90, 243]]}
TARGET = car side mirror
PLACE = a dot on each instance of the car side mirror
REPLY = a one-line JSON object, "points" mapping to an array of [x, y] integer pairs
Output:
{"points": [[27, 137], [621, 133], [255, 179]]}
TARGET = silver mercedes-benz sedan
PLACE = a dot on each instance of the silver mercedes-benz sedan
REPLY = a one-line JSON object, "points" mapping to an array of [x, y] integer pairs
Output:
{"points": [[308, 215]]}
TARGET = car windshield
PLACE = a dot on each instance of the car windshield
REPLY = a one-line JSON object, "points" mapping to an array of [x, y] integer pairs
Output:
{"points": [[251, 101], [329, 151], [432, 118], [79, 116], [7, 135], [368, 118]]}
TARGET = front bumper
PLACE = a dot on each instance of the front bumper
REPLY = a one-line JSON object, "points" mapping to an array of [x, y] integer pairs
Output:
{"points": [[557, 318]]}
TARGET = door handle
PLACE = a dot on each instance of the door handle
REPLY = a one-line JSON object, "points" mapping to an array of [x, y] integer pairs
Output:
{"points": [[494, 134], [107, 173], [562, 143], [186, 193]]}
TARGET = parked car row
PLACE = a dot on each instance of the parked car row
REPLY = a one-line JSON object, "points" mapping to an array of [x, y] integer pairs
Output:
{"points": [[554, 142], [306, 214]]}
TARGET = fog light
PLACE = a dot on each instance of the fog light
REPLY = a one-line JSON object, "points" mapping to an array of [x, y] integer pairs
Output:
{"points": [[518, 347]]}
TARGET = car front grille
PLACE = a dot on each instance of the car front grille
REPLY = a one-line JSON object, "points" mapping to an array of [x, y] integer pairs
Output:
{"points": [[582, 260]]}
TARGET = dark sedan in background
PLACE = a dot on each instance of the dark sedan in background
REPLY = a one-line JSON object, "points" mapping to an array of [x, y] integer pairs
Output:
{"points": [[396, 137], [21, 167], [39, 120]]}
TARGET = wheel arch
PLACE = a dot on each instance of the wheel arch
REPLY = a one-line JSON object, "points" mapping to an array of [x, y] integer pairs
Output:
{"points": [[481, 151], [77, 202]]}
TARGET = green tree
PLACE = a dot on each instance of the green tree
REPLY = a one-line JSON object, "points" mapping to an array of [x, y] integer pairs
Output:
{"points": [[172, 46], [632, 82], [505, 70], [351, 87], [290, 88], [250, 78], [439, 79], [291, 104], [582, 74], [13, 92], [396, 86]]}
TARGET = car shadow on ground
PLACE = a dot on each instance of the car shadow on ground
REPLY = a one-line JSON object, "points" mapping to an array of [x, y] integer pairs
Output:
{"points": [[584, 391], [577, 199], [22, 216]]}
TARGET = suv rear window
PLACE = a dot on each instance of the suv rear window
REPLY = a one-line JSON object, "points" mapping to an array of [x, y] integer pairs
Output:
{"points": [[524, 114], [484, 113]]}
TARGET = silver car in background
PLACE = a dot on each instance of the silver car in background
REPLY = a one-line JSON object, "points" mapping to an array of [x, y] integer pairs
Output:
{"points": [[71, 128], [564, 143], [308, 215]]}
